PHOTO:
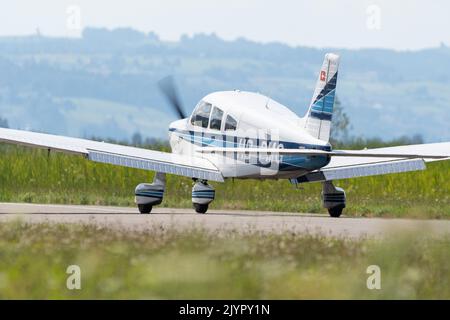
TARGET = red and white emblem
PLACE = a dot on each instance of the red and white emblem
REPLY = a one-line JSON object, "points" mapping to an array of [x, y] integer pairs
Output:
{"points": [[323, 75]]}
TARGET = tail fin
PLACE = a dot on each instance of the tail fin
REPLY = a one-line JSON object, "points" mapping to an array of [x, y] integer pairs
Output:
{"points": [[320, 112]]}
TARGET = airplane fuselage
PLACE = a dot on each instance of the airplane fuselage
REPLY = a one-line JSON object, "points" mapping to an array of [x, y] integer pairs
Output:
{"points": [[247, 120]]}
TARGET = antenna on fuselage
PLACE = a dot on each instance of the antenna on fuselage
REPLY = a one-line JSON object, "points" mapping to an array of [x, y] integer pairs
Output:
{"points": [[267, 102]]}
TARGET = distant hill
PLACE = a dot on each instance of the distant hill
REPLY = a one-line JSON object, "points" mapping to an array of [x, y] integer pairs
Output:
{"points": [[104, 84]]}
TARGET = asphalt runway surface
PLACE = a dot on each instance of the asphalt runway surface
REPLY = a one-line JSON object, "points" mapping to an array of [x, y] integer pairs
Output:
{"points": [[220, 220]]}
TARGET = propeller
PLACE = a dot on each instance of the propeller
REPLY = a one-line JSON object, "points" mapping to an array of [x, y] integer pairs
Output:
{"points": [[169, 89]]}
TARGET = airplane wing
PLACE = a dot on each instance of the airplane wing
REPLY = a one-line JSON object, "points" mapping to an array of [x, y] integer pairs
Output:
{"points": [[189, 166], [428, 151], [379, 161]]}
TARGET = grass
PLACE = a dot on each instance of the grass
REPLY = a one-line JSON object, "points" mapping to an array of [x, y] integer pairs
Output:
{"points": [[30, 175], [195, 264]]}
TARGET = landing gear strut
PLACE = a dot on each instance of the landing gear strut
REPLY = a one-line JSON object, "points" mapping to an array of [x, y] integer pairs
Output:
{"points": [[202, 195], [333, 199], [150, 194]]}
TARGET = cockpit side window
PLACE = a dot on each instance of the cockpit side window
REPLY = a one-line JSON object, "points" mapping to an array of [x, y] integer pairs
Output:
{"points": [[230, 123], [216, 119], [201, 115]]}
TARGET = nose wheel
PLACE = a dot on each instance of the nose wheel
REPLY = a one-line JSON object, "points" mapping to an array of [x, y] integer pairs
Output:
{"points": [[200, 208], [202, 195]]}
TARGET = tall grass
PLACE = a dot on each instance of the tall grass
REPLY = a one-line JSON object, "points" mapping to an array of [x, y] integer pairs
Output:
{"points": [[31, 175], [194, 264]]}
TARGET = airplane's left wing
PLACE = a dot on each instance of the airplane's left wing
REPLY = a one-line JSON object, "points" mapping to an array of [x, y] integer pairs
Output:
{"points": [[379, 161], [189, 166]]}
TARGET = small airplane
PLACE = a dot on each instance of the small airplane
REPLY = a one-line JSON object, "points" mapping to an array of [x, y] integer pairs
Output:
{"points": [[245, 135]]}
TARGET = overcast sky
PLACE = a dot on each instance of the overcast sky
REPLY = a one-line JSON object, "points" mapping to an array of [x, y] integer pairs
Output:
{"points": [[398, 24]]}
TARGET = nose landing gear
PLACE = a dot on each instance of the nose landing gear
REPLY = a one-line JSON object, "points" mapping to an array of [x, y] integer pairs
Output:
{"points": [[202, 195]]}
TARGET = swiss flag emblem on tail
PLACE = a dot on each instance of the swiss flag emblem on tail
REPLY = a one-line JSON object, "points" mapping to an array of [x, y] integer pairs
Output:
{"points": [[323, 75]]}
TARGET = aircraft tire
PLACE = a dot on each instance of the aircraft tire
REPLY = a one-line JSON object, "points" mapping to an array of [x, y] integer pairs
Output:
{"points": [[145, 208], [200, 208], [335, 212]]}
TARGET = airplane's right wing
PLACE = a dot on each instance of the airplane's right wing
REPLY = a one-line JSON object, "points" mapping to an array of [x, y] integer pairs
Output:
{"points": [[189, 166]]}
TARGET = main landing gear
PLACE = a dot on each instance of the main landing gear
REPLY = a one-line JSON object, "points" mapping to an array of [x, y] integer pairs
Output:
{"points": [[333, 199], [148, 195]]}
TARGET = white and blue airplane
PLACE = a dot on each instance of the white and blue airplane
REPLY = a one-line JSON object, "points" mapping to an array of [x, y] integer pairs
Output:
{"points": [[245, 135]]}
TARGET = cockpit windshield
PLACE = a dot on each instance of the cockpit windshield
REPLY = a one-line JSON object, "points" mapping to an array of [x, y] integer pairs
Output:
{"points": [[216, 119], [201, 115], [230, 123], [206, 115]]}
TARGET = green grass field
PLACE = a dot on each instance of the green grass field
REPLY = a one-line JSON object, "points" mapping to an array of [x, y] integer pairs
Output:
{"points": [[165, 264], [30, 175]]}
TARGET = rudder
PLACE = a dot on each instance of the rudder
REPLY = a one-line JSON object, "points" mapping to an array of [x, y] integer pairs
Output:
{"points": [[320, 112]]}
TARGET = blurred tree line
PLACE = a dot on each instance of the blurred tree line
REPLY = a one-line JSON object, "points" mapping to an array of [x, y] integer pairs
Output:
{"points": [[4, 123], [340, 137]]}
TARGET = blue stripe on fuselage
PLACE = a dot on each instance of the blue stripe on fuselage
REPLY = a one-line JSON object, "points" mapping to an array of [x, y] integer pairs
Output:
{"points": [[223, 140], [287, 163]]}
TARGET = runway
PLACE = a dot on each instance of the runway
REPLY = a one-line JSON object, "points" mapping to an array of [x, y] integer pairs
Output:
{"points": [[220, 220]]}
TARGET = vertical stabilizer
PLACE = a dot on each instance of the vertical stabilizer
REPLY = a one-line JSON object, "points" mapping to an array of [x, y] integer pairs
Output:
{"points": [[320, 112]]}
